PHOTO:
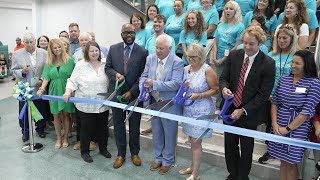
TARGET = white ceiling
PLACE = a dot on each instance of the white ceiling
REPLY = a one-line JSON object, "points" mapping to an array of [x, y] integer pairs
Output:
{"points": [[17, 1]]}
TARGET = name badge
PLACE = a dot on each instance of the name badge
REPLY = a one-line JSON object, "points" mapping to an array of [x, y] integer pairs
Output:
{"points": [[226, 52], [300, 90]]}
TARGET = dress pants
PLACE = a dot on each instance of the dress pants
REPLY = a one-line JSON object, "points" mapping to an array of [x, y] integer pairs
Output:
{"points": [[120, 131], [164, 140], [93, 125], [239, 165], [41, 124]]}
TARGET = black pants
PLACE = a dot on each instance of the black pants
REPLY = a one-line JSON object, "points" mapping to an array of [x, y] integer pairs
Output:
{"points": [[78, 123], [120, 131], [268, 120], [41, 124], [93, 125], [239, 166]]}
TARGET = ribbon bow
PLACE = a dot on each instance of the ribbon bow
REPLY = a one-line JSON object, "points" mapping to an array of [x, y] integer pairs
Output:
{"points": [[23, 92]]}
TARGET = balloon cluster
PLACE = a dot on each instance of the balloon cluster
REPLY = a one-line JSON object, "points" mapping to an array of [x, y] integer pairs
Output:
{"points": [[22, 91]]}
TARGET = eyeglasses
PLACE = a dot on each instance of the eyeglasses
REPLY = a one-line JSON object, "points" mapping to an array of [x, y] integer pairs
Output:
{"points": [[192, 57], [128, 32]]}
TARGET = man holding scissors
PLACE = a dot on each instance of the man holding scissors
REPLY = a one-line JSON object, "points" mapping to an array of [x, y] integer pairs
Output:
{"points": [[126, 61], [163, 76]]}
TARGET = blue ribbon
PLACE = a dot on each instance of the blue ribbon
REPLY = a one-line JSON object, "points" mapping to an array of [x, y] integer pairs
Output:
{"points": [[193, 121]]}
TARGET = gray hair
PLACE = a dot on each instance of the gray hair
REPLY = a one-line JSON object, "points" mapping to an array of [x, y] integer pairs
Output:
{"points": [[197, 50], [167, 39], [29, 36], [126, 25], [86, 34]]}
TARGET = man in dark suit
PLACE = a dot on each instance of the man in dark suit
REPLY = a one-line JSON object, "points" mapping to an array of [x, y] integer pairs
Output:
{"points": [[248, 76], [126, 60]]}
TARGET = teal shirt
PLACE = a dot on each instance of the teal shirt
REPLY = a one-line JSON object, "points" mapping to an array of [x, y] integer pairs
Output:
{"points": [[271, 23], [189, 38], [219, 5], [211, 17], [151, 45], [227, 36], [149, 27], [283, 64], [173, 28], [244, 6], [142, 37], [311, 4], [313, 21], [194, 5], [166, 7]]}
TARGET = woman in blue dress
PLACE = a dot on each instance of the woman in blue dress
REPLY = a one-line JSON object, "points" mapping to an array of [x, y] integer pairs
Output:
{"points": [[227, 37], [174, 25], [142, 34], [152, 10], [193, 32], [293, 104], [264, 8], [203, 84]]}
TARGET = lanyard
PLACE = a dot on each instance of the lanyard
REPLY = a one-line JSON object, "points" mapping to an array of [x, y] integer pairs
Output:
{"points": [[282, 68]]}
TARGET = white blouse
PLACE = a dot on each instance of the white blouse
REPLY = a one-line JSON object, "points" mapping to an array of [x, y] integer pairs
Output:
{"points": [[304, 30], [87, 83]]}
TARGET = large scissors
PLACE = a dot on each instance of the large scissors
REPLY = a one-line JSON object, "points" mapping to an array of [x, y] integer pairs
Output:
{"points": [[113, 94], [221, 116], [180, 98], [143, 96]]}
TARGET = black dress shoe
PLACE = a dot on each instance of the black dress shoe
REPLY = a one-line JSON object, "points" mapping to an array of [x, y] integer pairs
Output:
{"points": [[42, 135], [87, 158], [105, 153], [230, 177], [25, 138]]}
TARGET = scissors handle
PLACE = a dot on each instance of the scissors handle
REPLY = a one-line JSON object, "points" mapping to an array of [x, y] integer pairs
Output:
{"points": [[118, 86], [144, 95], [222, 114], [121, 100]]}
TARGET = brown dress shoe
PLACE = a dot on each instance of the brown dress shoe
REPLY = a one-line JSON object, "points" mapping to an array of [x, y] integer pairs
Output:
{"points": [[118, 162], [136, 160], [164, 169], [147, 131], [154, 166]]}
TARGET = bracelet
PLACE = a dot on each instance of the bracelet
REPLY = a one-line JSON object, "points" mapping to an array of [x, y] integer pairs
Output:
{"points": [[42, 89], [201, 95], [288, 129]]}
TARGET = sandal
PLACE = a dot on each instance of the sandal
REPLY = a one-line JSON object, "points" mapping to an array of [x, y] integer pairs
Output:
{"points": [[185, 171], [193, 178], [65, 144], [57, 145]]}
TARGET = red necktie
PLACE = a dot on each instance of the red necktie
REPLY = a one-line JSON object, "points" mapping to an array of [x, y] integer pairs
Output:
{"points": [[238, 95]]}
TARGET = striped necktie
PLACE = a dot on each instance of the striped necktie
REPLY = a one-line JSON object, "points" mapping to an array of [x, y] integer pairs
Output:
{"points": [[238, 95], [126, 58]]}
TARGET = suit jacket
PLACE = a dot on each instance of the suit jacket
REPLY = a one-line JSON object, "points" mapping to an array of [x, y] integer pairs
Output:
{"points": [[21, 59], [257, 88], [114, 65], [172, 76]]}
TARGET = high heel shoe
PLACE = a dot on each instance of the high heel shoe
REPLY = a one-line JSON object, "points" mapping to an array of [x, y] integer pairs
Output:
{"points": [[65, 144], [193, 178], [57, 145]]}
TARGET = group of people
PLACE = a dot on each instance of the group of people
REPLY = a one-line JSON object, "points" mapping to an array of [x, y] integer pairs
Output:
{"points": [[263, 66]]}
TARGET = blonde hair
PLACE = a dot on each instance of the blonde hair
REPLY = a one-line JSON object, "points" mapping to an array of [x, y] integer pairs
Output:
{"points": [[65, 40], [197, 50], [288, 30], [51, 57], [237, 16], [255, 31]]}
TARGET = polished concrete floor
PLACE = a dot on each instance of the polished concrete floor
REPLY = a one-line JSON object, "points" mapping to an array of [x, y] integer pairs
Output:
{"points": [[67, 164]]}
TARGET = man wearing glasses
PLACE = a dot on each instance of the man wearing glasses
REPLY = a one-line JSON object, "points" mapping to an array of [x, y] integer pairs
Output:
{"points": [[126, 61]]}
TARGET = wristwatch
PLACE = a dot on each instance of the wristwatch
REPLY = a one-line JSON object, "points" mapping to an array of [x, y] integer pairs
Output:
{"points": [[288, 129]]}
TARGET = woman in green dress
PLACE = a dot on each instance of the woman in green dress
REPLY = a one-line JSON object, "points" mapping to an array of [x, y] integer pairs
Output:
{"points": [[57, 70]]}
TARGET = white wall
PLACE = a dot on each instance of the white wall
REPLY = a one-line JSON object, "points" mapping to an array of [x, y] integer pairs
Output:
{"points": [[97, 16], [13, 24]]}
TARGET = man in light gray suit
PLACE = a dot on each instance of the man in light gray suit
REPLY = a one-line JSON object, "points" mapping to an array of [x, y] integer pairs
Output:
{"points": [[27, 66], [162, 76]]}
